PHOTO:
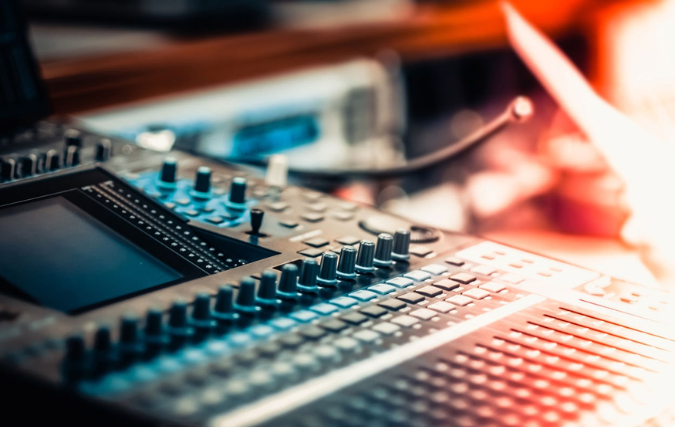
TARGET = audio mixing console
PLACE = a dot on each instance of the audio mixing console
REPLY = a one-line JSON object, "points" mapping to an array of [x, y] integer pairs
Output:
{"points": [[157, 289]]}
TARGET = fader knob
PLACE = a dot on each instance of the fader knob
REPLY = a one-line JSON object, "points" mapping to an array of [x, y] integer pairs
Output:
{"points": [[347, 266], [328, 270], [308, 275], [385, 244], [365, 258], [103, 150], [29, 165], [277, 171], [72, 137], [237, 196], [72, 156], [257, 216], [52, 161], [246, 297], [8, 168], [167, 175], [223, 311], [203, 180], [288, 283], [267, 290], [401, 250]]}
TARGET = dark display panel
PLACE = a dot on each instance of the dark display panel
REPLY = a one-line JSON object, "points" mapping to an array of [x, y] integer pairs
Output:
{"points": [[57, 255]]}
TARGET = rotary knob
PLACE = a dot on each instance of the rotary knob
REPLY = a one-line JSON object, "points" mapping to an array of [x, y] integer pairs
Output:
{"points": [[288, 283], [401, 251], [155, 334], [29, 165], [130, 345], [103, 150], [202, 185], [246, 303], [237, 197], [365, 258], [267, 290], [202, 319], [347, 266], [179, 329], [223, 311], [385, 245], [167, 175], [308, 275], [52, 161], [328, 271]]}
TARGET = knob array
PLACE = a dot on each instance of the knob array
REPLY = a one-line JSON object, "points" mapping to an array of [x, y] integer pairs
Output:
{"points": [[185, 323]]}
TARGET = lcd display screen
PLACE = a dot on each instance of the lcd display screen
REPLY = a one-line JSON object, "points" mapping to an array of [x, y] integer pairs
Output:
{"points": [[54, 254]]}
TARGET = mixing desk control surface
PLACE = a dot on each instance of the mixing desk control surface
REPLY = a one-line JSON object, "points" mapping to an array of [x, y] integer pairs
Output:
{"points": [[170, 290]]}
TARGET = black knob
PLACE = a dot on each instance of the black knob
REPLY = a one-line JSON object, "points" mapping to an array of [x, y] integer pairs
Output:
{"points": [[71, 156], [130, 347], [201, 311], [103, 150], [179, 328], [155, 334], [267, 290], [385, 244], [8, 171], [72, 137], [365, 258], [401, 250], [167, 175], [257, 216], [347, 266], [237, 196], [245, 303], [52, 161], [203, 180], [75, 360], [288, 283], [308, 275], [29, 165], [328, 271], [102, 350], [223, 311]]}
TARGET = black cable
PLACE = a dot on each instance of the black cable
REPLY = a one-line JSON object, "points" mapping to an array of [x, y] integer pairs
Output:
{"points": [[518, 111]]}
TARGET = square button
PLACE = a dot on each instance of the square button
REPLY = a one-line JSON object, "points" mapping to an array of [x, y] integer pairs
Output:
{"points": [[418, 275], [191, 212], [344, 302], [366, 335], [476, 293], [442, 307], [460, 300], [393, 304], [316, 242], [447, 285], [354, 318], [420, 251], [455, 261], [405, 321], [343, 216], [493, 287], [278, 206], [170, 205], [382, 289], [215, 220], [363, 295], [304, 316], [183, 201], [318, 207], [311, 252], [348, 240], [288, 224], [435, 269], [463, 278], [324, 309], [423, 313], [429, 291], [386, 328], [313, 333], [283, 323], [411, 297], [334, 325], [291, 340], [374, 311], [400, 282], [312, 217], [511, 278], [346, 344], [483, 269]]}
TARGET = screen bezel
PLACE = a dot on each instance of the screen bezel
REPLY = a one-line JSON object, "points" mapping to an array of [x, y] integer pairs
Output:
{"points": [[127, 230]]}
